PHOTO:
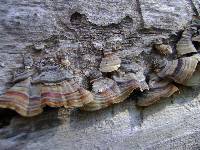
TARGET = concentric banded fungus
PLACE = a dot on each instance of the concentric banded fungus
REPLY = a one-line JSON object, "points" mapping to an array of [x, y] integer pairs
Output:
{"points": [[67, 93], [158, 89], [110, 63], [22, 99], [46, 78], [136, 72], [107, 91], [59, 89], [179, 70], [52, 87], [130, 80], [185, 46], [163, 49]]}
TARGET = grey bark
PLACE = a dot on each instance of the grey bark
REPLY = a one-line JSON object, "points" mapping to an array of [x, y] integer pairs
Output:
{"points": [[171, 124]]}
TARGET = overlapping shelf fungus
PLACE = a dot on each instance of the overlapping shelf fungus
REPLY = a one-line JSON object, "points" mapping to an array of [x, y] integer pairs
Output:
{"points": [[60, 78]]}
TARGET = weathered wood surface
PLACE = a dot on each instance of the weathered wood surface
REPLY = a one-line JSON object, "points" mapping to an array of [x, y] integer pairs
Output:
{"points": [[171, 123]]}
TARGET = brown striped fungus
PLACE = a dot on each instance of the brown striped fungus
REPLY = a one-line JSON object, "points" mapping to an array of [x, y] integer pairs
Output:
{"points": [[49, 78]]}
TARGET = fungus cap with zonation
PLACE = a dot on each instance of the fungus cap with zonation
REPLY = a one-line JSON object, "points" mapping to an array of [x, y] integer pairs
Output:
{"points": [[29, 99], [19, 98], [159, 88], [67, 93], [194, 81], [110, 63], [179, 70], [131, 80], [185, 45], [58, 88], [107, 91]]}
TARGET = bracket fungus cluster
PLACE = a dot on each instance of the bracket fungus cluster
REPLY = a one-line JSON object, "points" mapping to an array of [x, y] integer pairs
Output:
{"points": [[48, 80], [168, 73], [48, 85], [159, 88]]}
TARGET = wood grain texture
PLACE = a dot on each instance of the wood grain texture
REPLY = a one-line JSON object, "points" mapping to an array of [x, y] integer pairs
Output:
{"points": [[81, 27]]}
